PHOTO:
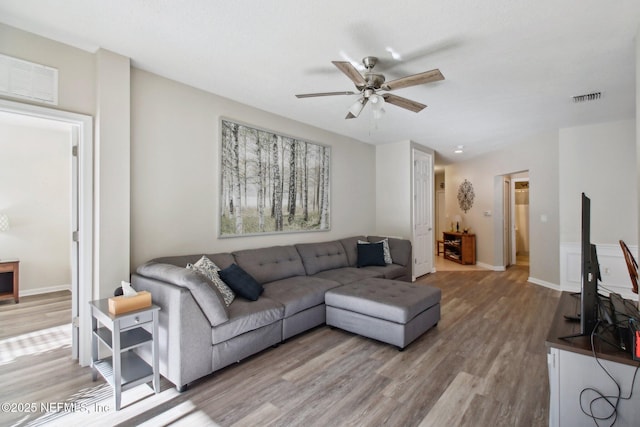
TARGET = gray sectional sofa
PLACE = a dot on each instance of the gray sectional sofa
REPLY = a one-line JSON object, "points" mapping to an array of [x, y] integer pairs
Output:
{"points": [[200, 334]]}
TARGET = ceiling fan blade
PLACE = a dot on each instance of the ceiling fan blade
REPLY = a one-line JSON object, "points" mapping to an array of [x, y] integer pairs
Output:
{"points": [[356, 108], [405, 103], [416, 79], [350, 71], [311, 95]]}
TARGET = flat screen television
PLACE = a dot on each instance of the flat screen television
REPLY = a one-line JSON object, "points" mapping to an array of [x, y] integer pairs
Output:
{"points": [[590, 274]]}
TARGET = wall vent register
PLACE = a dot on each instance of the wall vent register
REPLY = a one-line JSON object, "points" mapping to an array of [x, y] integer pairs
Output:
{"points": [[28, 80]]}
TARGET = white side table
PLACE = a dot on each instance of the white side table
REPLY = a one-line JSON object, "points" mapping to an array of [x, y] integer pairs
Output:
{"points": [[122, 333]]}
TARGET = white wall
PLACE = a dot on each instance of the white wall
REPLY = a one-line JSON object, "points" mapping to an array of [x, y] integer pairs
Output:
{"points": [[112, 172], [393, 187], [599, 160], [175, 172], [35, 193], [536, 154], [174, 159]]}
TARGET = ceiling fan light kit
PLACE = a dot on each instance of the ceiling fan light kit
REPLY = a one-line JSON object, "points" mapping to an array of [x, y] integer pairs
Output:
{"points": [[356, 108], [369, 83]]}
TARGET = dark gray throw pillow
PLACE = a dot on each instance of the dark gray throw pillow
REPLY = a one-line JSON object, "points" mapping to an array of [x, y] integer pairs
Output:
{"points": [[371, 254], [241, 282]]}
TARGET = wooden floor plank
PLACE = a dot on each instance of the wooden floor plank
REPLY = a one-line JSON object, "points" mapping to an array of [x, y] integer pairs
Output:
{"points": [[484, 364]]}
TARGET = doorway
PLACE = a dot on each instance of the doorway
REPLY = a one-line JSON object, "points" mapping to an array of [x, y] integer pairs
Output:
{"points": [[81, 152], [520, 209]]}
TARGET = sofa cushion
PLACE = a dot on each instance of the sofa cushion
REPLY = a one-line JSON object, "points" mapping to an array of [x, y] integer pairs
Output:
{"points": [[318, 257], [298, 293], [270, 264], [389, 271], [210, 270], [246, 316], [351, 249], [206, 295], [241, 282], [371, 254], [400, 249], [384, 299], [347, 274]]}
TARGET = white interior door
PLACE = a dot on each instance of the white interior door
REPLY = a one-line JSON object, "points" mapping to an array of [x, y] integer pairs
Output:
{"points": [[423, 241]]}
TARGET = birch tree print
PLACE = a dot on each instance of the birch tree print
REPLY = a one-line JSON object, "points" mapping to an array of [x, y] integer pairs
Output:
{"points": [[272, 183]]}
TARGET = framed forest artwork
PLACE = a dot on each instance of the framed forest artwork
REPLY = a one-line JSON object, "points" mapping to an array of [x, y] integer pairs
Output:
{"points": [[272, 183]]}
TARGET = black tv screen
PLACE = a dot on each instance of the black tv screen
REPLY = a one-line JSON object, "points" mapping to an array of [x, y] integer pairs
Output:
{"points": [[588, 313], [590, 274]]}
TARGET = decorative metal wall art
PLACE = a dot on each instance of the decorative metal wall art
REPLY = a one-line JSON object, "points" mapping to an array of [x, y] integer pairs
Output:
{"points": [[465, 196]]}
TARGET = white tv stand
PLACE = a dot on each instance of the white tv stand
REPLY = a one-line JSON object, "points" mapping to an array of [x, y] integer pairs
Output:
{"points": [[573, 368]]}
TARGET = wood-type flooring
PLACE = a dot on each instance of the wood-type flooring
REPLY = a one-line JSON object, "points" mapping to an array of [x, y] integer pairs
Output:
{"points": [[483, 365]]}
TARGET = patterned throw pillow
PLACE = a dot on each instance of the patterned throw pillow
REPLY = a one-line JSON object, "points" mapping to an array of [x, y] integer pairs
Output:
{"points": [[209, 269]]}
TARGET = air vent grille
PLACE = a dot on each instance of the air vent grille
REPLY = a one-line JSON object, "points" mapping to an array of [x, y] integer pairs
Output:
{"points": [[587, 97], [27, 80]]}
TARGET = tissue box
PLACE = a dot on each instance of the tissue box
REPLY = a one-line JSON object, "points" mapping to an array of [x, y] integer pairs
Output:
{"points": [[123, 304]]}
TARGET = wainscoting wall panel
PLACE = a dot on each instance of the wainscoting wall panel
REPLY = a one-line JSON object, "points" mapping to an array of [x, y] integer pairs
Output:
{"points": [[613, 269]]}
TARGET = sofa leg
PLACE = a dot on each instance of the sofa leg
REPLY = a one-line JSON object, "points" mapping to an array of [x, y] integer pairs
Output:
{"points": [[276, 345], [400, 348], [182, 388]]}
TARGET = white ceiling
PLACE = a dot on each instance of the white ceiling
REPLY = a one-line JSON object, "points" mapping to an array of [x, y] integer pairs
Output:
{"points": [[511, 67]]}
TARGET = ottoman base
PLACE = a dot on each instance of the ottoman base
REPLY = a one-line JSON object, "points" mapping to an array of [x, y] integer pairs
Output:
{"points": [[386, 310], [398, 334]]}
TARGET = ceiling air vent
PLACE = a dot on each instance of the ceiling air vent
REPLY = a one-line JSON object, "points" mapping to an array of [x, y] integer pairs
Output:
{"points": [[28, 80], [587, 97]]}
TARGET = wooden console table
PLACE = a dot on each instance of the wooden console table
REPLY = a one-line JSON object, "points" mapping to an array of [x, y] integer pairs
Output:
{"points": [[573, 368], [10, 279], [459, 247]]}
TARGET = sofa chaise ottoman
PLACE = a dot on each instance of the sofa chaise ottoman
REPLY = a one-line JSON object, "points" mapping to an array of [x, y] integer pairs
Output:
{"points": [[390, 311]]}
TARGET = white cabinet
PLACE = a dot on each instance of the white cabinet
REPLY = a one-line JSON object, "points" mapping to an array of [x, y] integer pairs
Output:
{"points": [[576, 376], [570, 373]]}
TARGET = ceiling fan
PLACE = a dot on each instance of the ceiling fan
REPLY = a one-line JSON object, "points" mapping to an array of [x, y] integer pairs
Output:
{"points": [[369, 83]]}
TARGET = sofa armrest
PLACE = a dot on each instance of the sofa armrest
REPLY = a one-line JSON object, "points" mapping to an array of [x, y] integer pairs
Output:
{"points": [[184, 332], [207, 296], [401, 250]]}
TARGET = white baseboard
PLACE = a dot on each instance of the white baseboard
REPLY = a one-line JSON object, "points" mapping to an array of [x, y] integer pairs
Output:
{"points": [[49, 289], [491, 267], [543, 283]]}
